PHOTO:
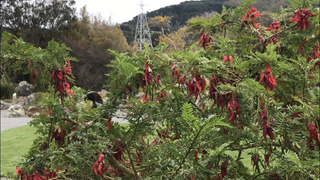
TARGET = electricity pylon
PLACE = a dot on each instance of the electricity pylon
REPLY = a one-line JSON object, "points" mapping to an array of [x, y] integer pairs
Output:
{"points": [[142, 34]]}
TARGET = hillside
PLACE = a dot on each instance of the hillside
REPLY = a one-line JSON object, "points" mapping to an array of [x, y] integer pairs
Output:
{"points": [[180, 13]]}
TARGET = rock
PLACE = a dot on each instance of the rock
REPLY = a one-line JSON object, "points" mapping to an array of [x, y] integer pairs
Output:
{"points": [[34, 111], [21, 100], [24, 88], [16, 110], [30, 99], [103, 93], [5, 105]]}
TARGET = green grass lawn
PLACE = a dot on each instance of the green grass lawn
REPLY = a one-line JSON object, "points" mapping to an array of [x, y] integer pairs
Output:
{"points": [[15, 143]]}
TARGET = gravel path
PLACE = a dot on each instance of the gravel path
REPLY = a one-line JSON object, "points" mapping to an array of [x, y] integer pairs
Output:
{"points": [[8, 123]]}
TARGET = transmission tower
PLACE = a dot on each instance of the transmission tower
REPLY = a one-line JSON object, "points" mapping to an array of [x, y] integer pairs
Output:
{"points": [[142, 34]]}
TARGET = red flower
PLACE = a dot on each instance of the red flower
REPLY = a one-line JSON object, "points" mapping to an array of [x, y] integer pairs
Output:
{"points": [[229, 59], [181, 80], [301, 17], [313, 132], [196, 156], [269, 80], [143, 83], [213, 94], [145, 98], [33, 73], [233, 106], [162, 95], [254, 160], [118, 148], [61, 84], [222, 26], [275, 26], [252, 13], [300, 49], [266, 157], [173, 71], [196, 85], [100, 165], [158, 79], [205, 39], [147, 73], [224, 169], [50, 174], [274, 39], [59, 136], [109, 123]]}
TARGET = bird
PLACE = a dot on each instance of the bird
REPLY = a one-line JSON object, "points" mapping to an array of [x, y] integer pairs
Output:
{"points": [[94, 97]]}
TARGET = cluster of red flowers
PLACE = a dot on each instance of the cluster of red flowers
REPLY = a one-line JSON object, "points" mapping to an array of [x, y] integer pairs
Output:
{"points": [[61, 83], [267, 128], [205, 40], [234, 106], [301, 17], [58, 136], [275, 27], [37, 175], [218, 98], [147, 75], [225, 58], [100, 165], [313, 132], [267, 78], [195, 86], [315, 57], [119, 149], [251, 14]]}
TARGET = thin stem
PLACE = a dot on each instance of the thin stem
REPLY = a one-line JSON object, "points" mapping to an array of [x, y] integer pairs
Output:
{"points": [[188, 151], [131, 162]]}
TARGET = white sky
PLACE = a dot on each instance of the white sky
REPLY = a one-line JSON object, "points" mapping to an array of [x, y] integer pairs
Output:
{"points": [[122, 10]]}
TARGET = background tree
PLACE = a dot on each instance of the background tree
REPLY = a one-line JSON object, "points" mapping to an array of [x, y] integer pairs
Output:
{"points": [[90, 38], [37, 22]]}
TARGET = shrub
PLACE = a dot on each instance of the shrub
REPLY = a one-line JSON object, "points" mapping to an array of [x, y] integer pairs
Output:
{"points": [[7, 90]]}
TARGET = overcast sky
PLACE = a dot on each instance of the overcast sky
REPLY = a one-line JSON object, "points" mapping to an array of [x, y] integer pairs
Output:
{"points": [[122, 10]]}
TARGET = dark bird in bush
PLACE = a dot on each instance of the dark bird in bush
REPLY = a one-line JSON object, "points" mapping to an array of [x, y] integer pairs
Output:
{"points": [[94, 97]]}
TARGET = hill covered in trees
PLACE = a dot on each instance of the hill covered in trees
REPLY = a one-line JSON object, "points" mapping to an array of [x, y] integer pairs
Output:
{"points": [[184, 11]]}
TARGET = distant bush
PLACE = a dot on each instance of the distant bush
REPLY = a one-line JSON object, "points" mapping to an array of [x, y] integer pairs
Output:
{"points": [[6, 90]]}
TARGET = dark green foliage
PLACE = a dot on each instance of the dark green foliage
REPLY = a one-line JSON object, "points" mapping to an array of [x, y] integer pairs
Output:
{"points": [[6, 90], [37, 22]]}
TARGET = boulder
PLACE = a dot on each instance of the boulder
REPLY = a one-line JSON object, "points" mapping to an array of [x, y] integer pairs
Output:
{"points": [[16, 110], [34, 111], [21, 100], [24, 88], [30, 99], [5, 105]]}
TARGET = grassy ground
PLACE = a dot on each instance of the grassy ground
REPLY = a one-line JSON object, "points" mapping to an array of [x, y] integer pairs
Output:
{"points": [[15, 143]]}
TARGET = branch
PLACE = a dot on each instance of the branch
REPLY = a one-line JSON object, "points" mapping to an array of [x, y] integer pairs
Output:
{"points": [[264, 144], [131, 162], [189, 149], [259, 175], [113, 162]]}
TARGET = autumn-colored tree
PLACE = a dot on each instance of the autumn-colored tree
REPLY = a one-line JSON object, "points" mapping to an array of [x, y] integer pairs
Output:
{"points": [[89, 38], [176, 41]]}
